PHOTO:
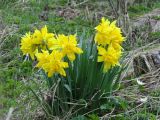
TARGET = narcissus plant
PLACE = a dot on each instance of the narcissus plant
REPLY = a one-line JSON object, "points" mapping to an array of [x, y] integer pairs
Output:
{"points": [[81, 72]]}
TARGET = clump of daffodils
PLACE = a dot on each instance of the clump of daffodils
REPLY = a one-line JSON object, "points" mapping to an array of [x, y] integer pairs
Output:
{"points": [[99, 60], [109, 39], [50, 49]]}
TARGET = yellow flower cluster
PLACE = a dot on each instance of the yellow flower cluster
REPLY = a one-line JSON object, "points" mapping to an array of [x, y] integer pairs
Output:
{"points": [[50, 50], [109, 38], [68, 46], [52, 63], [31, 44]]}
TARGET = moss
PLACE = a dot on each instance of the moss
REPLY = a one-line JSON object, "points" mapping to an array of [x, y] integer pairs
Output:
{"points": [[156, 17], [137, 10], [141, 8], [154, 35]]}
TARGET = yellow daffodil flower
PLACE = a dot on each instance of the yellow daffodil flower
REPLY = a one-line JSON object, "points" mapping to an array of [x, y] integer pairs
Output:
{"points": [[27, 45], [68, 46], [53, 44], [52, 63], [43, 38], [42, 58], [108, 33], [110, 57]]}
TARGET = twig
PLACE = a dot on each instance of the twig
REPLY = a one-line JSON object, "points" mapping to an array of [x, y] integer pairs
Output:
{"points": [[112, 6], [104, 117], [81, 3], [129, 110], [9, 115]]}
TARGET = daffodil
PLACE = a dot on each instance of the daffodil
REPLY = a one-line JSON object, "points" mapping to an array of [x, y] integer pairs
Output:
{"points": [[27, 45], [109, 57], [43, 58], [52, 63], [109, 34], [43, 38], [68, 45], [102, 34], [53, 44]]}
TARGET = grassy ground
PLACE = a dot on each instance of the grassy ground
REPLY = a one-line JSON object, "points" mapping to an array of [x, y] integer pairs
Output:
{"points": [[20, 16]]}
